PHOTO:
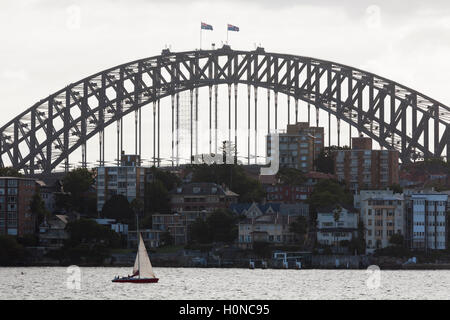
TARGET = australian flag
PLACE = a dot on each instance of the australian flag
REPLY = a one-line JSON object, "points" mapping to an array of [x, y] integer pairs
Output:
{"points": [[232, 28], [206, 26]]}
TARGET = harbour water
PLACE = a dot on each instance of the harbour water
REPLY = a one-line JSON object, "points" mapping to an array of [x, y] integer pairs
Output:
{"points": [[212, 284]]}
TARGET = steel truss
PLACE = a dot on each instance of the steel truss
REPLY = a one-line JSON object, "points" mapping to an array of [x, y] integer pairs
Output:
{"points": [[397, 117]]}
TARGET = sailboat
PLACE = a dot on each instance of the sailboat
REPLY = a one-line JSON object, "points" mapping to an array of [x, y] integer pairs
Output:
{"points": [[142, 270]]}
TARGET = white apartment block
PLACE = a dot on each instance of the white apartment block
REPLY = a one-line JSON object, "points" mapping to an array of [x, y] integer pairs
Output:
{"points": [[429, 221]]}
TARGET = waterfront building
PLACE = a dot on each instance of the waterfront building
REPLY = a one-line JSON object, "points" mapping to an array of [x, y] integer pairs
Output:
{"points": [[151, 238], [128, 180], [253, 210], [428, 222], [299, 146], [176, 224], [52, 232], [383, 215], [365, 168], [271, 228], [16, 218], [113, 225], [331, 231], [201, 196]]}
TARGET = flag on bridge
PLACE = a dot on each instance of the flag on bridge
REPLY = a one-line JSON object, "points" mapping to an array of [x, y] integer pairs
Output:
{"points": [[232, 28], [206, 26]]}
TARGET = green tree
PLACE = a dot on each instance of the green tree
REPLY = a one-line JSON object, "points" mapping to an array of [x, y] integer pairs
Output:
{"points": [[118, 207], [11, 252], [10, 172], [166, 239], [168, 179], [330, 193], [233, 176], [325, 160], [219, 226], [397, 239], [291, 176], [88, 242], [396, 188], [262, 249], [77, 182], [300, 227], [37, 207], [156, 198]]}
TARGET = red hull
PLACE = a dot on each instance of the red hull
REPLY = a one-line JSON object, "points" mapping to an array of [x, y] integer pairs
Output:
{"points": [[152, 280]]}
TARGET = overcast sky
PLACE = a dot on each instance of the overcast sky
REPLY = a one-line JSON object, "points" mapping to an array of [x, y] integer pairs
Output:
{"points": [[47, 44]]}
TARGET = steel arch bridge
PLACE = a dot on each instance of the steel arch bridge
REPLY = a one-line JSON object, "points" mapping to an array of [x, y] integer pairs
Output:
{"points": [[397, 117]]}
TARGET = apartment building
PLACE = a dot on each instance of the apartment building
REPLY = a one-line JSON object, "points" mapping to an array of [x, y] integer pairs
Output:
{"points": [[16, 218], [365, 168], [383, 215], [427, 216], [128, 180], [299, 146]]}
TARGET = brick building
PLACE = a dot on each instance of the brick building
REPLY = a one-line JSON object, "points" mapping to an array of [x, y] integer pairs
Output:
{"points": [[365, 168], [16, 218]]}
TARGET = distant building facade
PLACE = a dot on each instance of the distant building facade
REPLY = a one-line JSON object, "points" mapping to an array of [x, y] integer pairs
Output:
{"points": [[330, 231], [128, 180], [383, 215], [299, 146], [52, 232], [427, 214], [201, 197], [364, 168], [16, 218], [270, 228]]}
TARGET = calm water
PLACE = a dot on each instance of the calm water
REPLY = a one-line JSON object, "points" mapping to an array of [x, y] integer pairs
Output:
{"points": [[189, 283]]}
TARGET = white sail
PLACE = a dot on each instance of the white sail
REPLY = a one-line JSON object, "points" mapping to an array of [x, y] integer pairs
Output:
{"points": [[142, 264]]}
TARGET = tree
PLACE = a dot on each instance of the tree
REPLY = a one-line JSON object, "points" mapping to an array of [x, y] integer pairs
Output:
{"points": [[10, 172], [11, 252], [325, 160], [118, 207], [37, 207], [397, 240], [300, 227], [396, 188], [336, 216], [291, 176], [220, 226], [89, 242], [166, 239], [231, 175], [77, 182], [168, 179], [156, 198], [330, 193]]}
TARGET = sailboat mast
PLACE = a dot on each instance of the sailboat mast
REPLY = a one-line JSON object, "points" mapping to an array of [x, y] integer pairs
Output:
{"points": [[139, 244]]}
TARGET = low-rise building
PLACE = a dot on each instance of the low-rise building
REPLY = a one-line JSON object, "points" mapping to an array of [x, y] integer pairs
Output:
{"points": [[176, 224], [52, 232], [271, 228], [151, 238], [331, 231], [201, 196], [253, 210], [383, 215], [115, 226]]}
